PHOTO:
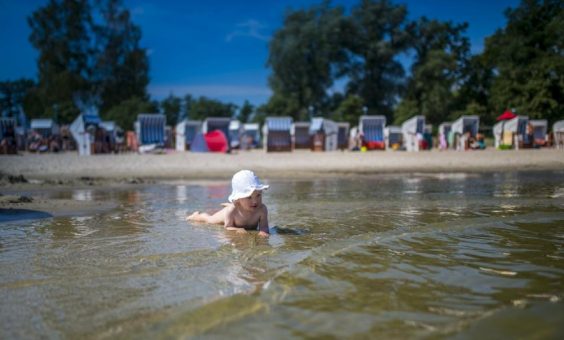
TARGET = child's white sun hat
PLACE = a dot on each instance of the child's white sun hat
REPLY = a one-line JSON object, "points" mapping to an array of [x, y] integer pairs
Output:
{"points": [[243, 184]]}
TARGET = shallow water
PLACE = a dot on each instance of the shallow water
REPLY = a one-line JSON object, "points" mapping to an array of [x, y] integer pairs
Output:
{"points": [[443, 255]]}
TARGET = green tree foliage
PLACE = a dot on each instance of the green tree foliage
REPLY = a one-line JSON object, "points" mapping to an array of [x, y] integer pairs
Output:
{"points": [[303, 55], [473, 97], [84, 62], [441, 51], [121, 65], [260, 115], [14, 95], [528, 60], [171, 107], [349, 110], [377, 37], [126, 112], [246, 112], [202, 108], [60, 32], [280, 104]]}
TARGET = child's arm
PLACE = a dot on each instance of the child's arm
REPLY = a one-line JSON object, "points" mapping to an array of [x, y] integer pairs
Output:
{"points": [[229, 223], [263, 222]]}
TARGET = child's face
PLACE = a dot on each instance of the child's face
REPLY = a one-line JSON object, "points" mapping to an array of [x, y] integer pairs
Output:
{"points": [[252, 202]]}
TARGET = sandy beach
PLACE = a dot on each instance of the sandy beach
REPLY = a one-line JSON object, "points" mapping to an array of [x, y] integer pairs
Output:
{"points": [[62, 168]]}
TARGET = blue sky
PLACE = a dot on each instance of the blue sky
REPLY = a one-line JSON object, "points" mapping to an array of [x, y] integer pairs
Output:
{"points": [[219, 48]]}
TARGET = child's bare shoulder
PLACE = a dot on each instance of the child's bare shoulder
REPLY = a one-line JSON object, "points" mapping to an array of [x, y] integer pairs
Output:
{"points": [[228, 207]]}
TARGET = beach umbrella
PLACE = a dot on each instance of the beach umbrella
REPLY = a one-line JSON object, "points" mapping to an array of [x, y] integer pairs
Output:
{"points": [[217, 141], [506, 115]]}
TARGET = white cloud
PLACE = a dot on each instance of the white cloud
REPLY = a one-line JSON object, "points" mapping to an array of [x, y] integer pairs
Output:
{"points": [[251, 28]]}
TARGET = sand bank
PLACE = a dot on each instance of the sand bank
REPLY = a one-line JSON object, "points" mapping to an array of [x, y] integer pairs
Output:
{"points": [[186, 165], [26, 174]]}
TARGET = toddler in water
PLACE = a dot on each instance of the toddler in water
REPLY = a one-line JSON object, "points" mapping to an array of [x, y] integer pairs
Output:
{"points": [[245, 210]]}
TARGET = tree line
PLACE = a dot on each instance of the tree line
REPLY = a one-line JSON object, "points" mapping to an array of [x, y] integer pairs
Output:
{"points": [[325, 60]]}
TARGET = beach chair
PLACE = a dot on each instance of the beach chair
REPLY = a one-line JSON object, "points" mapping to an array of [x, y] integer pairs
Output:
{"points": [[558, 134], [393, 137], [186, 130], [427, 143], [412, 130], [372, 130], [8, 136], [540, 129], [515, 133], [444, 131], [170, 136], [83, 130], [498, 134], [111, 131], [465, 129], [46, 127], [302, 138], [235, 134], [324, 134], [343, 135], [251, 136], [277, 134], [150, 129], [217, 123]]}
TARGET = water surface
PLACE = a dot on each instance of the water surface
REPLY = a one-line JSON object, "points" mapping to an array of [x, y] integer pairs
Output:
{"points": [[442, 255]]}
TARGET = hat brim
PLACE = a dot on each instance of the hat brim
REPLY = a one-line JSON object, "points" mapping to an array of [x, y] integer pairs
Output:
{"points": [[235, 196]]}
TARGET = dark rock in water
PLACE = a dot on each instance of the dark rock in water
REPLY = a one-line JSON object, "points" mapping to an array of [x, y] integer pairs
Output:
{"points": [[86, 178], [26, 199], [17, 179], [8, 215], [135, 180], [22, 199]]}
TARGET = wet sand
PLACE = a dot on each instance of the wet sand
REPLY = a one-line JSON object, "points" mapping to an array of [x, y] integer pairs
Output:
{"points": [[28, 173], [27, 207], [132, 168]]}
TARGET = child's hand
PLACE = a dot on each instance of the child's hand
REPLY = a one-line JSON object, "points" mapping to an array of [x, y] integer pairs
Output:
{"points": [[263, 234], [241, 231]]}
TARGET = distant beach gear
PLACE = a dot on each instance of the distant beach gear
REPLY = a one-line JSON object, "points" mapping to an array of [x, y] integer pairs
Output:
{"points": [[540, 129], [235, 134], [302, 138], [83, 130], [372, 129], [464, 128], [45, 126], [413, 130], [277, 134], [251, 136], [150, 128], [514, 134], [558, 133], [199, 143], [217, 141], [506, 116], [217, 123], [186, 131], [324, 134], [393, 137], [343, 135], [444, 131]]}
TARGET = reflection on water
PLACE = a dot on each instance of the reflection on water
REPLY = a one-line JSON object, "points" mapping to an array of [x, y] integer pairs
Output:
{"points": [[463, 255]]}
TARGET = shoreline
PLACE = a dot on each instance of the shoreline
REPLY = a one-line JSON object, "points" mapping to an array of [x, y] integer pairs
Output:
{"points": [[69, 168], [24, 177]]}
